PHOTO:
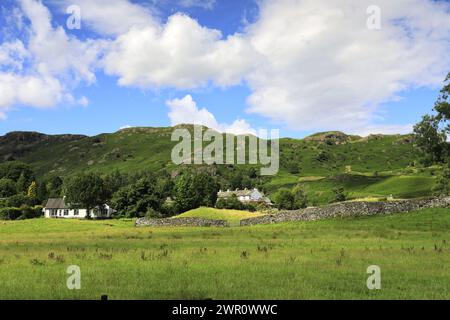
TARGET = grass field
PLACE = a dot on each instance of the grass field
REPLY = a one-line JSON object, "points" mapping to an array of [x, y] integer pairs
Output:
{"points": [[232, 216], [324, 259]]}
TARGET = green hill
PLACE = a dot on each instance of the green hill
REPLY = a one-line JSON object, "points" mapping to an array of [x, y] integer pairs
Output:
{"points": [[365, 166]]}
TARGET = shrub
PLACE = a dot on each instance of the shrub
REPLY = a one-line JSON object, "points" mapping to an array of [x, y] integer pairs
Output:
{"points": [[284, 199], [339, 194], [10, 213], [231, 203], [291, 199], [152, 213], [7, 187], [17, 200], [31, 212], [169, 209]]}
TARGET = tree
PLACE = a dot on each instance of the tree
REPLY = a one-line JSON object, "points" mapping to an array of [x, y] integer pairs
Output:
{"points": [[339, 194], [195, 190], [32, 190], [7, 188], [86, 191], [115, 181], [432, 132], [54, 187], [284, 199], [300, 199], [22, 183], [229, 203], [14, 169], [42, 193], [139, 198], [442, 187], [430, 141], [292, 167]]}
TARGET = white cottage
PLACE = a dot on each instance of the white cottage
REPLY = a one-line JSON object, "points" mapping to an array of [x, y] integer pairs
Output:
{"points": [[245, 196], [57, 208]]}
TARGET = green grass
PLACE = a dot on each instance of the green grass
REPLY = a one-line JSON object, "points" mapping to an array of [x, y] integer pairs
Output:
{"points": [[322, 260], [232, 216], [358, 186]]}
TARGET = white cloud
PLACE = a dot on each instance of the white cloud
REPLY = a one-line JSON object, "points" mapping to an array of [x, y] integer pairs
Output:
{"points": [[112, 17], [83, 101], [204, 4], [310, 64], [54, 52], [41, 70], [12, 55], [185, 111], [37, 91], [127, 126], [324, 69], [180, 54]]}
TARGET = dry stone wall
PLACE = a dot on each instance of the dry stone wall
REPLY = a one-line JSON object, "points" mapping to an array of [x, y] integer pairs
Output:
{"points": [[349, 209], [191, 222]]}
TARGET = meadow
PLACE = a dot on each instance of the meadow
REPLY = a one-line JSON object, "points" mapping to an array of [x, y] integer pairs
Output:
{"points": [[305, 260]]}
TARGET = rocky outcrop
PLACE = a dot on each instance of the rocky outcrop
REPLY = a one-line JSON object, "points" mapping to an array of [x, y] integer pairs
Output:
{"points": [[349, 209], [176, 222]]}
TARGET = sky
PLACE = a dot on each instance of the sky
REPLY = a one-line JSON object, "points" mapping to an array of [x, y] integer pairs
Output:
{"points": [[300, 66]]}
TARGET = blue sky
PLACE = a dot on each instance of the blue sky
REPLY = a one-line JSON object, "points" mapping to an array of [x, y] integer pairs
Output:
{"points": [[273, 65]]}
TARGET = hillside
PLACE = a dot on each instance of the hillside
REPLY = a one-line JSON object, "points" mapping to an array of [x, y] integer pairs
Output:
{"points": [[377, 165], [16, 145]]}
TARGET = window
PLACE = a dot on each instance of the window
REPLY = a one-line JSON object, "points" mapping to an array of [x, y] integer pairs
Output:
{"points": [[66, 212], [75, 212]]}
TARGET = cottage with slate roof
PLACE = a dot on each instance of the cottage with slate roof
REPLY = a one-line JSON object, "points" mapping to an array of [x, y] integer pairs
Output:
{"points": [[245, 196], [57, 208]]}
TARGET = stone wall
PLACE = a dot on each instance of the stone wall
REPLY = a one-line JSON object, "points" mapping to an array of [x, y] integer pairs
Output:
{"points": [[349, 209], [191, 222]]}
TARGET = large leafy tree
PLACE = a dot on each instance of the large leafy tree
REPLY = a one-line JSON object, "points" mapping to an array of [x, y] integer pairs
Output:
{"points": [[291, 199], [195, 190], [284, 199], [15, 169], [86, 191], [7, 188], [139, 198], [432, 132]]}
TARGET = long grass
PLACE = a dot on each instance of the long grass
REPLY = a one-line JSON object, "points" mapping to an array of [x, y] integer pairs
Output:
{"points": [[306, 260]]}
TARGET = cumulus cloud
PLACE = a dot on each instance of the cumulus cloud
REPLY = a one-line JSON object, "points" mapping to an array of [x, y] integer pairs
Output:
{"points": [[12, 55], [180, 54], [325, 69], [310, 64], [185, 110], [40, 71], [113, 17]]}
